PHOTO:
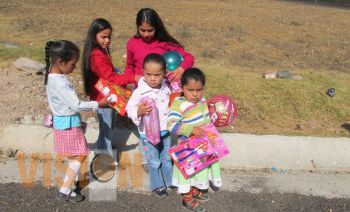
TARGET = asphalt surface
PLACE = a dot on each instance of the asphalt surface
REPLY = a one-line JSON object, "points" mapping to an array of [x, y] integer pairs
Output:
{"points": [[15, 197]]}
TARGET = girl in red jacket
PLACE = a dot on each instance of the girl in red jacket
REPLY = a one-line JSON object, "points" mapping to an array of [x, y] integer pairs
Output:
{"points": [[152, 37], [97, 64]]}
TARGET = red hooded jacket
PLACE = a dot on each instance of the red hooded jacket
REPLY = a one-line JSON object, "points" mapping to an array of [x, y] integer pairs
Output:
{"points": [[102, 67]]}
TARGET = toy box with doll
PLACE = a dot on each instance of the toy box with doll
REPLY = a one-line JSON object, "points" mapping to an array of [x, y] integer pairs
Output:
{"points": [[194, 154]]}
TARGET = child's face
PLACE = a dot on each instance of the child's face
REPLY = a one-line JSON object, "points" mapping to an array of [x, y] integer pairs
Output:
{"points": [[68, 67], [153, 74], [193, 90], [146, 31], [103, 38]]}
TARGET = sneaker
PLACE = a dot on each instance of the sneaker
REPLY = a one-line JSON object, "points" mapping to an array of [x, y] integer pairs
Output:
{"points": [[174, 188], [161, 193], [202, 197], [68, 197], [145, 168], [193, 205]]}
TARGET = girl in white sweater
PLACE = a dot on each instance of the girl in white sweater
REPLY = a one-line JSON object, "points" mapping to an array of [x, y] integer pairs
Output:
{"points": [[61, 59]]}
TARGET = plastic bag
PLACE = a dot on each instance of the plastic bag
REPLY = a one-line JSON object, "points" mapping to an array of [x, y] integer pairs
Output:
{"points": [[151, 122]]}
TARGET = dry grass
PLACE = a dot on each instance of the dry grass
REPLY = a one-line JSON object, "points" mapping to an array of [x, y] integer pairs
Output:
{"points": [[233, 41]]}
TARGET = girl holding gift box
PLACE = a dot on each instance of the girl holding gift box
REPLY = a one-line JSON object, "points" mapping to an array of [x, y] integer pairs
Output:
{"points": [[97, 64], [153, 86], [187, 113], [61, 58], [152, 37]]}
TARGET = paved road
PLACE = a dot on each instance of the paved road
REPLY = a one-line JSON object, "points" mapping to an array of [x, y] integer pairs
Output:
{"points": [[14, 197], [242, 191]]}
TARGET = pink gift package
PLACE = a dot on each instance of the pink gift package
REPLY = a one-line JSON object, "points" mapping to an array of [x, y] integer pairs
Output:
{"points": [[194, 154]]}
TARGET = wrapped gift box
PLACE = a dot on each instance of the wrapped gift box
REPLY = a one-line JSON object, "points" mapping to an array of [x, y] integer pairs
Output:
{"points": [[116, 93]]}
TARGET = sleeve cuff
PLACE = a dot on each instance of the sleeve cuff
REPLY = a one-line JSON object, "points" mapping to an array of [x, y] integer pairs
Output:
{"points": [[187, 130], [94, 105]]}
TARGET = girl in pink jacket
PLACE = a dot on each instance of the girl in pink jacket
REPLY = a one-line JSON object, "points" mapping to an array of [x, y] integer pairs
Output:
{"points": [[152, 37]]}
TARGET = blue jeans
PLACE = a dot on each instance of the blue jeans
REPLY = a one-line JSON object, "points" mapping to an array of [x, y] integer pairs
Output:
{"points": [[141, 149], [159, 163], [106, 117]]}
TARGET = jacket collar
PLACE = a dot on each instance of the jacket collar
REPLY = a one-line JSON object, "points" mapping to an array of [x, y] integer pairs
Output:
{"points": [[145, 88]]}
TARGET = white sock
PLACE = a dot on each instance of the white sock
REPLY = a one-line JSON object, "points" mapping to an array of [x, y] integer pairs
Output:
{"points": [[78, 177], [65, 190], [75, 166]]}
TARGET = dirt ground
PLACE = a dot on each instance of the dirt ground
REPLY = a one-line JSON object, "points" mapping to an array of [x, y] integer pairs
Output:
{"points": [[244, 38], [23, 96], [22, 93]]}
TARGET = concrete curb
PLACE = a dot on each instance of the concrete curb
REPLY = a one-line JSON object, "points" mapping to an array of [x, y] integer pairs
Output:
{"points": [[269, 152]]}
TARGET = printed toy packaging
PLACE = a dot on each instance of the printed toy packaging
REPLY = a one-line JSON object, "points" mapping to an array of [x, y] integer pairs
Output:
{"points": [[174, 86], [195, 154], [118, 95], [124, 92], [151, 122]]}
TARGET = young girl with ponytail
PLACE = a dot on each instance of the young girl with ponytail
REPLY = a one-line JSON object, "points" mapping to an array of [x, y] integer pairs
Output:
{"points": [[69, 140]]}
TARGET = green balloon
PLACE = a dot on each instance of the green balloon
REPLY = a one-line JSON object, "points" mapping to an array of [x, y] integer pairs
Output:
{"points": [[173, 60]]}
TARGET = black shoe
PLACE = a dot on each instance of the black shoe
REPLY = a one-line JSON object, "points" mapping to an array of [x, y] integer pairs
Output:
{"points": [[78, 188], [145, 168], [69, 198], [161, 193], [174, 188]]}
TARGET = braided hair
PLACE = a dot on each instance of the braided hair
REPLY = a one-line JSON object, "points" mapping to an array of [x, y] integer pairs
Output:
{"points": [[47, 58], [62, 49]]}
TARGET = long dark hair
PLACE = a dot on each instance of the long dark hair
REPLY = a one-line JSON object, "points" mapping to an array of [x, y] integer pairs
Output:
{"points": [[96, 26], [151, 17], [62, 49]]}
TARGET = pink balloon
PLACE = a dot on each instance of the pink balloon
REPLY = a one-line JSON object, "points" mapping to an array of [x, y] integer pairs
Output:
{"points": [[222, 110], [151, 122]]}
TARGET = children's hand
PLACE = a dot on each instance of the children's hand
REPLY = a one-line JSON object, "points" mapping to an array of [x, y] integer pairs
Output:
{"points": [[143, 109], [198, 132], [177, 74], [137, 77], [104, 102]]}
